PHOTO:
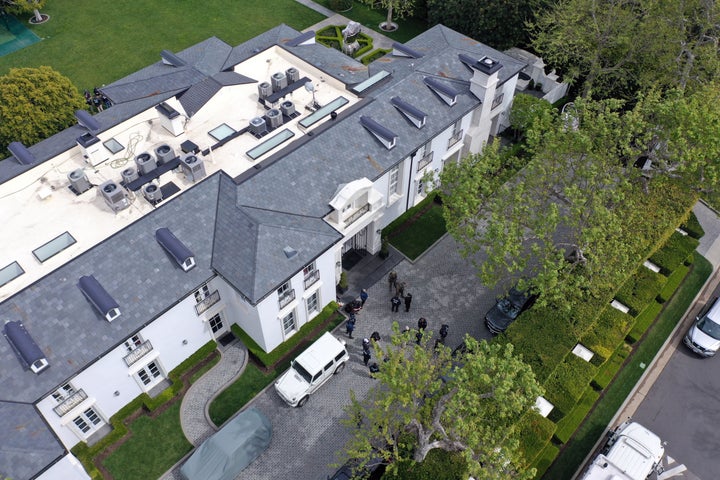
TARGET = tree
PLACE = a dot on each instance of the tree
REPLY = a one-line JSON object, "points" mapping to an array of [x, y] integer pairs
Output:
{"points": [[24, 6], [36, 103], [617, 47], [426, 400], [398, 8], [500, 24], [526, 111]]}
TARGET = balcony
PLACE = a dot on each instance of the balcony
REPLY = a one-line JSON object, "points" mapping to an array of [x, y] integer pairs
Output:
{"points": [[425, 161], [71, 402], [455, 139], [312, 278], [142, 350], [357, 214], [207, 302], [286, 298]]}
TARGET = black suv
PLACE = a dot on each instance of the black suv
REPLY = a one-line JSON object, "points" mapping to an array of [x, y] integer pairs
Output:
{"points": [[507, 309]]}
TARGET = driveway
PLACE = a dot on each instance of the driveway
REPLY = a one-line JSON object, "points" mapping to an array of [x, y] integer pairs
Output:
{"points": [[305, 440]]}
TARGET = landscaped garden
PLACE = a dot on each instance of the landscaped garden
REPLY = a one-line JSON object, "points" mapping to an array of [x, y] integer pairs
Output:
{"points": [[418, 229]]}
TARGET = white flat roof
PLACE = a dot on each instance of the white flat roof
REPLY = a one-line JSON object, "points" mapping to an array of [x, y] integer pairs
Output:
{"points": [[38, 205]]}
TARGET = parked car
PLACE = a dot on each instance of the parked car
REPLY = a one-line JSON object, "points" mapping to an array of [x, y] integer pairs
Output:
{"points": [[507, 308], [703, 337], [372, 471], [311, 369]]}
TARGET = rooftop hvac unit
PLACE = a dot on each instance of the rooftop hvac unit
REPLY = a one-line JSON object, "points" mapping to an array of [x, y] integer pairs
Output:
{"points": [[152, 193], [130, 174], [288, 108], [114, 195], [264, 90], [145, 163], [193, 167], [164, 153], [79, 181], [279, 81], [258, 126], [274, 118], [292, 74]]}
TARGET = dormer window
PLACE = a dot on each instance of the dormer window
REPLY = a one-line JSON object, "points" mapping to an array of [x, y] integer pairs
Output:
{"points": [[177, 250], [447, 93], [99, 297], [386, 136]]}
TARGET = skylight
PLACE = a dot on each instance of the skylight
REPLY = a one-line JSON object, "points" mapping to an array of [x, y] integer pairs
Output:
{"points": [[221, 132], [113, 145], [362, 87], [54, 246], [323, 112], [269, 144], [10, 273]]}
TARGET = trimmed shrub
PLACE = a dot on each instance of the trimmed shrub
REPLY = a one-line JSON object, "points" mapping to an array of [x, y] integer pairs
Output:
{"points": [[641, 289], [673, 282], [607, 333], [607, 372], [545, 459], [567, 426], [643, 321], [568, 383], [437, 464], [374, 55], [535, 432], [674, 252], [692, 226]]}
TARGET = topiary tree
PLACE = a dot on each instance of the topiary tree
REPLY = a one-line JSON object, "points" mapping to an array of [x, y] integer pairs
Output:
{"points": [[35, 103]]}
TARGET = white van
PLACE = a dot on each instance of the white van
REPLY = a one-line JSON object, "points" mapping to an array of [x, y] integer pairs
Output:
{"points": [[703, 337], [312, 368]]}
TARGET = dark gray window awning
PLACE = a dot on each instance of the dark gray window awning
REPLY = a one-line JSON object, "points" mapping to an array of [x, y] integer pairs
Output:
{"points": [[21, 153], [182, 254], [99, 297], [27, 350]]}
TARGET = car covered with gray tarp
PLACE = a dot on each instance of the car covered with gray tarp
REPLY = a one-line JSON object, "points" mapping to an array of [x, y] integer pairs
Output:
{"points": [[224, 455]]}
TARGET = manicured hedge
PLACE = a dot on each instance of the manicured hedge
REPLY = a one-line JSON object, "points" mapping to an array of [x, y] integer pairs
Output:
{"points": [[567, 384], [607, 333], [607, 371], [545, 459], [374, 55], [674, 252], [535, 433], [570, 422], [673, 283], [643, 321], [692, 226], [437, 464], [641, 289]]}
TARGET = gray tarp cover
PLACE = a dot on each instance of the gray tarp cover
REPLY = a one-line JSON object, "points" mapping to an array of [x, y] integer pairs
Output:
{"points": [[224, 455]]}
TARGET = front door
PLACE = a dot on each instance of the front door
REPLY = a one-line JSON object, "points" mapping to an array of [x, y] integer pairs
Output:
{"points": [[217, 324]]}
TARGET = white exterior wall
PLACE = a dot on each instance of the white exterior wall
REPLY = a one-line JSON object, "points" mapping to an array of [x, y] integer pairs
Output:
{"points": [[67, 468], [110, 373]]}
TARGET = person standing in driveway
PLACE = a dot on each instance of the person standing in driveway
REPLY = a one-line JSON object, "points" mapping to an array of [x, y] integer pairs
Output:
{"points": [[392, 280], [366, 351], [408, 300], [395, 303], [363, 297]]}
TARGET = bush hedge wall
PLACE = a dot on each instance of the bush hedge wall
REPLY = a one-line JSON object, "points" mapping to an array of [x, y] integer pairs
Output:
{"points": [[674, 252], [641, 289], [692, 226]]}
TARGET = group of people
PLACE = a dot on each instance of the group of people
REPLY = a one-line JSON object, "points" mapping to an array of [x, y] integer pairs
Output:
{"points": [[400, 295], [97, 100]]}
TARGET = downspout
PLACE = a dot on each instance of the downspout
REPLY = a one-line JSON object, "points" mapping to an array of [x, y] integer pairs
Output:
{"points": [[407, 201]]}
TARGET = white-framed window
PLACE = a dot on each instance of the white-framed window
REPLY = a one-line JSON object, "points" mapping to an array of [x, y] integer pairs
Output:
{"points": [[202, 293], [421, 187], [149, 373], [288, 322], [88, 421], [456, 133], [497, 101], [310, 275], [313, 303], [216, 323], [286, 294], [393, 180], [63, 393], [133, 342]]}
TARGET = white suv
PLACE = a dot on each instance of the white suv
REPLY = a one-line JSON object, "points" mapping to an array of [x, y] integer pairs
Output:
{"points": [[312, 368], [703, 337]]}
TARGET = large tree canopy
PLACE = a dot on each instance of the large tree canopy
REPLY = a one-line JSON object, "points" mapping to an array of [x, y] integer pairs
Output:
{"points": [[35, 103], [426, 399], [500, 24], [617, 47]]}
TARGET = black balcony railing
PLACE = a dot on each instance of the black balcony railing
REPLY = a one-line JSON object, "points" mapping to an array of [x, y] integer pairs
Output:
{"points": [[455, 138], [71, 402], [425, 161], [207, 302], [139, 352], [286, 298], [311, 278], [357, 214]]}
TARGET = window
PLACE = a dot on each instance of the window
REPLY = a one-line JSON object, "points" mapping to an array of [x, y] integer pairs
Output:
{"points": [[312, 303], [311, 275], [221, 132], [289, 323], [497, 101], [328, 366], [393, 180], [420, 187], [202, 293], [149, 373], [216, 323], [456, 134], [424, 155], [285, 295], [63, 393], [9, 273], [87, 421], [53, 247], [133, 343], [113, 145]]}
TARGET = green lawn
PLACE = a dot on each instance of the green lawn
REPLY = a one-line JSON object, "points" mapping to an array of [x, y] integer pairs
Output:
{"points": [[155, 446], [417, 234], [95, 42], [589, 432], [250, 383]]}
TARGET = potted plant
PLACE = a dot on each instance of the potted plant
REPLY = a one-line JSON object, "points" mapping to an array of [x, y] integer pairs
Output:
{"points": [[384, 248], [342, 285]]}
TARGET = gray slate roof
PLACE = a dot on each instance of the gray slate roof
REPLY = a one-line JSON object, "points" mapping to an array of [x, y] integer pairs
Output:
{"points": [[249, 242]]}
